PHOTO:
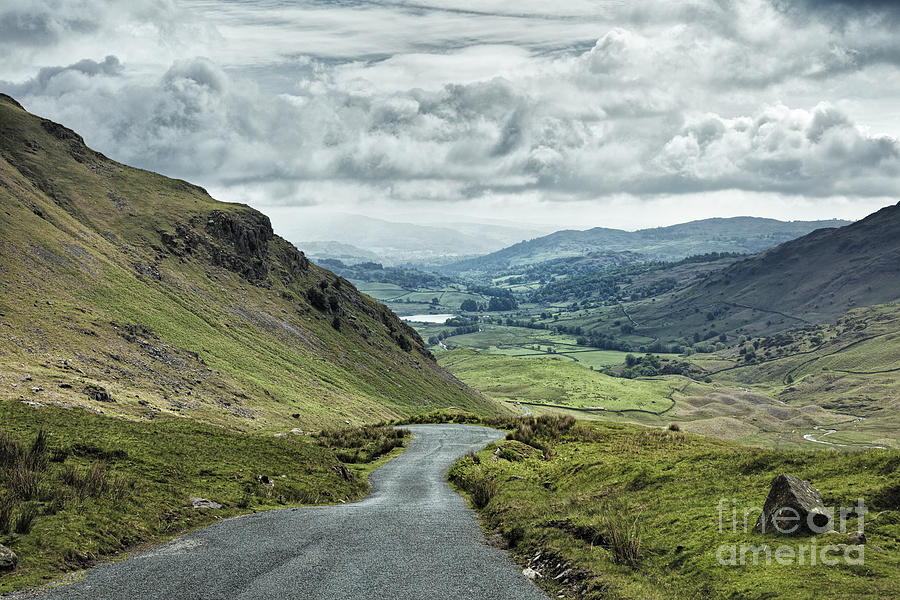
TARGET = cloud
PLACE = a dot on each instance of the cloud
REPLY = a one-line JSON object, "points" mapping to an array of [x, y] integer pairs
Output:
{"points": [[54, 81], [817, 152], [464, 140], [315, 103]]}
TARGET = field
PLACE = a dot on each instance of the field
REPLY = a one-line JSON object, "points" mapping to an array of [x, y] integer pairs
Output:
{"points": [[405, 301], [726, 410], [556, 382], [613, 511]]}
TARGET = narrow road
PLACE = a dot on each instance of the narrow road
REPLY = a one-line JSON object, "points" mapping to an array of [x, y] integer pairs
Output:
{"points": [[412, 538]]}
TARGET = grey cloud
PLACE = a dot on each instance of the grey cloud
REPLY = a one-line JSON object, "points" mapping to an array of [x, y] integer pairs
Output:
{"points": [[614, 119], [43, 23], [44, 82]]}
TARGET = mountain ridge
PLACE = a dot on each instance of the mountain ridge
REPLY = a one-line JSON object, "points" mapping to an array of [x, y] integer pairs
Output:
{"points": [[814, 278], [718, 234]]}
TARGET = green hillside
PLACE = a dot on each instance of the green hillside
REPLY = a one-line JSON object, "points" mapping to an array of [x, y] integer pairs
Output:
{"points": [[135, 295], [743, 235], [813, 279]]}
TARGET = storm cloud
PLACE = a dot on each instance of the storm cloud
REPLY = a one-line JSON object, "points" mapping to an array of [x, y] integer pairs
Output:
{"points": [[574, 105]]}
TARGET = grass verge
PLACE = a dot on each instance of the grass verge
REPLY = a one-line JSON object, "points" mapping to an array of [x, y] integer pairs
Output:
{"points": [[76, 487], [607, 510]]}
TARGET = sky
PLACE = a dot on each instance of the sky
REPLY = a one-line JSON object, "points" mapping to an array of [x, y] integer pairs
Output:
{"points": [[552, 114]]}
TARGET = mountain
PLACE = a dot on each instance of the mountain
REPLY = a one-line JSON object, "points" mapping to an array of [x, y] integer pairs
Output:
{"points": [[815, 278], [744, 235], [331, 250], [133, 294], [398, 243]]}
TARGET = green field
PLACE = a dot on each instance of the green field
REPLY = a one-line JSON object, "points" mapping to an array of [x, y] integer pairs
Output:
{"points": [[557, 382]]}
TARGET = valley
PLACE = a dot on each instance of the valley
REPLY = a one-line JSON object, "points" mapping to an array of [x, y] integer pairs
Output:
{"points": [[449, 300], [741, 365]]}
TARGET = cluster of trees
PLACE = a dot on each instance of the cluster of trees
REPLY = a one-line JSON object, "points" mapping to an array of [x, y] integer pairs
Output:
{"points": [[603, 341], [498, 300], [651, 365]]}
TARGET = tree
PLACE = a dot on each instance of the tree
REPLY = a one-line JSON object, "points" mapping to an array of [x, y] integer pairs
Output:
{"points": [[468, 305]]}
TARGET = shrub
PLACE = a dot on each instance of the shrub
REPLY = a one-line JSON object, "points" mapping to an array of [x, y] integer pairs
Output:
{"points": [[361, 444], [674, 427], [6, 510], [514, 535], [623, 536], [482, 489], [25, 520], [24, 483]]}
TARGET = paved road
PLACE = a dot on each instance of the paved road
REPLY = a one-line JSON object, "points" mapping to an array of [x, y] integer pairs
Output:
{"points": [[411, 538]]}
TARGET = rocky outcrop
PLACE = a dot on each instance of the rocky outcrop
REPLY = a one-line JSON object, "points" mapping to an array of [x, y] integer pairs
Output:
{"points": [[98, 393], [242, 242], [793, 506]]}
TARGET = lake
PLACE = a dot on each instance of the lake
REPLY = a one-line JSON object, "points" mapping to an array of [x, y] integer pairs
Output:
{"points": [[439, 319]]}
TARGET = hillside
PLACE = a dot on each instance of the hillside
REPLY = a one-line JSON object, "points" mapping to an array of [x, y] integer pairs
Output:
{"points": [[812, 279], [744, 235], [133, 294]]}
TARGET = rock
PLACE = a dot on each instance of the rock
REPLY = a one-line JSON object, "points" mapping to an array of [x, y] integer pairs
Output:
{"points": [[8, 559], [204, 503], [858, 537], [37, 389], [530, 574], [265, 481], [793, 506], [297, 431], [98, 393], [343, 472]]}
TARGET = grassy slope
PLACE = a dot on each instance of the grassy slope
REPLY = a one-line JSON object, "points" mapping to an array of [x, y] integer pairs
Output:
{"points": [[849, 367], [603, 475], [179, 304], [725, 408], [151, 469], [814, 278]]}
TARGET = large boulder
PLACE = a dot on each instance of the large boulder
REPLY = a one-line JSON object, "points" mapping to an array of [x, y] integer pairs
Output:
{"points": [[793, 506], [8, 559]]}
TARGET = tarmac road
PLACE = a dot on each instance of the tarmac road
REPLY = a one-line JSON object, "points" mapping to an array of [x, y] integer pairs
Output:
{"points": [[412, 538]]}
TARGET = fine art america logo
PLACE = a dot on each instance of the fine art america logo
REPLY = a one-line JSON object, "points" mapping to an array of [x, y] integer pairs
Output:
{"points": [[786, 521]]}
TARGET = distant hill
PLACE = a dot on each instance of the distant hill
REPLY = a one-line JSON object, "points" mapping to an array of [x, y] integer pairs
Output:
{"points": [[815, 278], [133, 294], [746, 235], [396, 243], [331, 250]]}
